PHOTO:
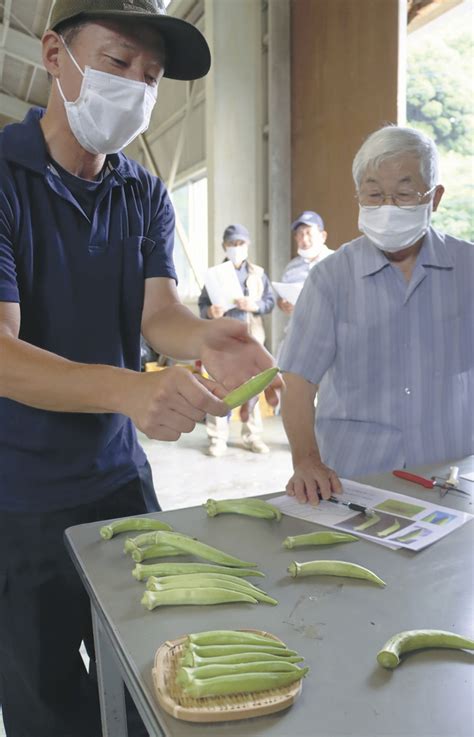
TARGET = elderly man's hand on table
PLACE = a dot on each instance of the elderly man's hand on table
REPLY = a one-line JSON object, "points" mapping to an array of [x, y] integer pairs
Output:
{"points": [[313, 480]]}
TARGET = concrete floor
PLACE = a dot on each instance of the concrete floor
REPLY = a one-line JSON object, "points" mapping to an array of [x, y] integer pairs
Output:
{"points": [[184, 476]]}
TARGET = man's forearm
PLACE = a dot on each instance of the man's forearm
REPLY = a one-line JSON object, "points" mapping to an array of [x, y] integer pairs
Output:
{"points": [[297, 409], [175, 332], [46, 381]]}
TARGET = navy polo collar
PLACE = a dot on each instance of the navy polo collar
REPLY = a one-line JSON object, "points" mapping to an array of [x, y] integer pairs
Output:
{"points": [[24, 144]]}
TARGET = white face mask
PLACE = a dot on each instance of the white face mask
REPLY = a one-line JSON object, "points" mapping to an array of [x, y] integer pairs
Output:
{"points": [[110, 111], [393, 228], [312, 251], [237, 254]]}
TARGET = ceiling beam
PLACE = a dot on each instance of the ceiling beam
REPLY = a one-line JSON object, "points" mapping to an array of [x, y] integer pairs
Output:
{"points": [[21, 46], [12, 107]]}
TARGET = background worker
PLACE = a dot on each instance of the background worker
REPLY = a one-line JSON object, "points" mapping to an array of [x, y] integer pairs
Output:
{"points": [[258, 300], [310, 240]]}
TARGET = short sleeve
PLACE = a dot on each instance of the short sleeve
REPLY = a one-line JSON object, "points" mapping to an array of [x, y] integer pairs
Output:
{"points": [[159, 261], [309, 348], [9, 291]]}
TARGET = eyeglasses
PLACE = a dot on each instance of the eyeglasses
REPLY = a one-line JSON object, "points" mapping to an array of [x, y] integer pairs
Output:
{"points": [[408, 199]]}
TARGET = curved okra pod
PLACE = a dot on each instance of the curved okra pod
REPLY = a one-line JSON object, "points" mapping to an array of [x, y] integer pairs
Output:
{"points": [[250, 388], [246, 506], [142, 571], [333, 568], [202, 597], [241, 683], [132, 523], [201, 550], [232, 637], [318, 538], [409, 640]]}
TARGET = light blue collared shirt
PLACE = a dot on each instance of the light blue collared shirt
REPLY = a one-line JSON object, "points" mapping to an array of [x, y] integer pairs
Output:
{"points": [[394, 360]]}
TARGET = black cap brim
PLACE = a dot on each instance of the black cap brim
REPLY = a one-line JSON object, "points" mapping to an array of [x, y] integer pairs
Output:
{"points": [[187, 53]]}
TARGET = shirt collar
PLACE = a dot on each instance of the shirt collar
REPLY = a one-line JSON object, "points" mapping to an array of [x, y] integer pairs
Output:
{"points": [[24, 144], [434, 252]]}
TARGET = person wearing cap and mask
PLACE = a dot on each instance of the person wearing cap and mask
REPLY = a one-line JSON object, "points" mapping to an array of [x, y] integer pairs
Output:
{"points": [[86, 264], [258, 300], [384, 327], [310, 240]]}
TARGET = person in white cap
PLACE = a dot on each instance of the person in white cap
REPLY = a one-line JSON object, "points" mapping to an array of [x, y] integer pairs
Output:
{"points": [[258, 300]]}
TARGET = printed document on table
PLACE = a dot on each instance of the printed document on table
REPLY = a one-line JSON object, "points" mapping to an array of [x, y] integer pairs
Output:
{"points": [[223, 286], [289, 291], [397, 520]]}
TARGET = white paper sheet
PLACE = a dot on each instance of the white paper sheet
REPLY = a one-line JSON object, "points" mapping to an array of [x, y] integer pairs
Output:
{"points": [[223, 286], [289, 291], [418, 523]]}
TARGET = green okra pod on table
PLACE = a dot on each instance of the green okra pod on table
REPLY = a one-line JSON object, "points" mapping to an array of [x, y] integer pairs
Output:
{"points": [[232, 637], [246, 506], [128, 524], [201, 550], [213, 651], [153, 551], [201, 597], [247, 657], [409, 640], [144, 570], [201, 581], [318, 538], [333, 568], [186, 674], [241, 683]]}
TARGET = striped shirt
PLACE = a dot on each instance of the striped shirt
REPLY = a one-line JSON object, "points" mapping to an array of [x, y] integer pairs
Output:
{"points": [[394, 360]]}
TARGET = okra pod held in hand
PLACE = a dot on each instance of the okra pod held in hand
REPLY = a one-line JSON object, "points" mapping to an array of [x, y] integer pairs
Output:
{"points": [[128, 524], [250, 388], [409, 640], [333, 568], [318, 538]]}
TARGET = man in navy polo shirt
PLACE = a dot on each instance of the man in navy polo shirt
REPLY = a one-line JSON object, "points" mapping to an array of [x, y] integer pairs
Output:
{"points": [[86, 240]]}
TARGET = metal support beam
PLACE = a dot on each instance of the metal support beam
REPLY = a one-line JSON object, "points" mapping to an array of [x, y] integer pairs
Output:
{"points": [[152, 165], [179, 146], [12, 107]]}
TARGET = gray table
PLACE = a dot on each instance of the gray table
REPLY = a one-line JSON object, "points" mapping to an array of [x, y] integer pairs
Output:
{"points": [[337, 624]]}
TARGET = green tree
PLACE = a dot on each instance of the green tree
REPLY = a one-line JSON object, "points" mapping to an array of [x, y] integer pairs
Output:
{"points": [[438, 99]]}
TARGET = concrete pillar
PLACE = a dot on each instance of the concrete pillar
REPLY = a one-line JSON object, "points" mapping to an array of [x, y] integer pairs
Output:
{"points": [[234, 122], [347, 81]]}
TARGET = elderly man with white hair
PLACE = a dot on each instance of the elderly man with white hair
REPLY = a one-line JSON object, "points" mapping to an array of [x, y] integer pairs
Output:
{"points": [[384, 327]]}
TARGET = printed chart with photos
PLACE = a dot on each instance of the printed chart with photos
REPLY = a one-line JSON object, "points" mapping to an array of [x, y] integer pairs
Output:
{"points": [[396, 520]]}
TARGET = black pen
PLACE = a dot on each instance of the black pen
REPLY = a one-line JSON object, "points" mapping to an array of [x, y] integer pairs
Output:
{"points": [[352, 505]]}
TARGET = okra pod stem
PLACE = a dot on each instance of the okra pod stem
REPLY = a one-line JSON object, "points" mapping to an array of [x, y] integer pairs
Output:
{"points": [[318, 538], [409, 640], [241, 683], [132, 523], [333, 568], [142, 571], [201, 550], [250, 388], [202, 597], [245, 506]]}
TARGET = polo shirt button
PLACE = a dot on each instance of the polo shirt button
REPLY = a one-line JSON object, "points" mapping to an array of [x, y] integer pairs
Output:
{"points": [[407, 390]]}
